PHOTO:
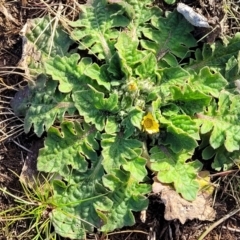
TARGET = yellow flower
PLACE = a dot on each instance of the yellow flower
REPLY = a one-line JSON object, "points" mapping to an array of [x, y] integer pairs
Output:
{"points": [[132, 86], [150, 125]]}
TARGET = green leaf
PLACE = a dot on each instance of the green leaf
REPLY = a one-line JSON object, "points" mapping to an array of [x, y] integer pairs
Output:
{"points": [[184, 124], [182, 132], [222, 119], [169, 35], [170, 77], [48, 39], [170, 1], [179, 141], [208, 82], [97, 201], [111, 125], [99, 74], [225, 160], [128, 52], [140, 13], [20, 102], [68, 149], [208, 153], [134, 118], [219, 58], [147, 67], [117, 150], [96, 31], [127, 195], [76, 212], [69, 71], [114, 69], [94, 107], [190, 101], [137, 168], [172, 168], [46, 105]]}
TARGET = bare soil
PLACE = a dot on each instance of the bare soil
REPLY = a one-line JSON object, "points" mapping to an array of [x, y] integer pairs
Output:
{"points": [[14, 144]]}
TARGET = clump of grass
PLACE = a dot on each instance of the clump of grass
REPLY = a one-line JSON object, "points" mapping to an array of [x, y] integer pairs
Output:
{"points": [[33, 206], [232, 10]]}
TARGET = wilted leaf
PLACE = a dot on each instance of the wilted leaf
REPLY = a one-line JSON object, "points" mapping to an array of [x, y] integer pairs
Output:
{"points": [[178, 208]]}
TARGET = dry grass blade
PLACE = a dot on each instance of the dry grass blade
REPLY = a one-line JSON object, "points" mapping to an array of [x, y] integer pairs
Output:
{"points": [[7, 15], [214, 225]]}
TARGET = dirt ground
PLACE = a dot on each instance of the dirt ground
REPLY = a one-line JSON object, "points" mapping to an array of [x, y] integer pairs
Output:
{"points": [[15, 145]]}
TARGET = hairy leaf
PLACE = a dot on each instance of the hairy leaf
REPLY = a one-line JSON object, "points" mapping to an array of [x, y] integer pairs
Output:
{"points": [[134, 118], [147, 67], [219, 58], [94, 107], [222, 120], [69, 149], [48, 39], [209, 83], [140, 12], [117, 150], [182, 132], [97, 201], [171, 168], [225, 160], [169, 77], [73, 74], [128, 52], [137, 168], [163, 34], [96, 28], [190, 101], [127, 195], [77, 206], [46, 105]]}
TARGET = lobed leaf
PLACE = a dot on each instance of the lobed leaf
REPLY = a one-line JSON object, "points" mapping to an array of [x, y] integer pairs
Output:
{"points": [[190, 101], [172, 168], [137, 168], [225, 160], [97, 201], [140, 12], [94, 107], [128, 52], [219, 58], [127, 196], [117, 150], [73, 74], [95, 30], [46, 105], [48, 39], [77, 206], [171, 77], [162, 35], [182, 132], [222, 120], [69, 149], [208, 82]]}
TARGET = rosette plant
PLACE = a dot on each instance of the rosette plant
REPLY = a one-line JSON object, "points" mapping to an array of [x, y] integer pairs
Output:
{"points": [[119, 94]]}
